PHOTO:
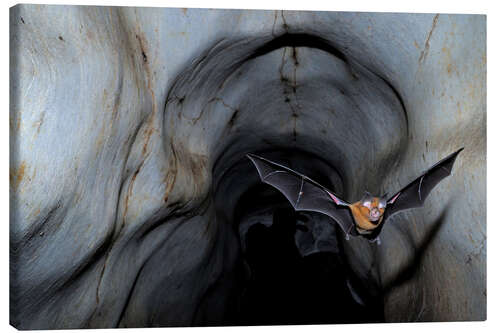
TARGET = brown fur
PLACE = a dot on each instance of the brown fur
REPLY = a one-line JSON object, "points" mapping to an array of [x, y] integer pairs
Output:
{"points": [[362, 215]]}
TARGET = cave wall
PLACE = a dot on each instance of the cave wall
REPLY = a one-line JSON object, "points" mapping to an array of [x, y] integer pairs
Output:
{"points": [[126, 124]]}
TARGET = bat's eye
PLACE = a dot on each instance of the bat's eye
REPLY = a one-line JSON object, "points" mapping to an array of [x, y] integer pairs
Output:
{"points": [[381, 205], [367, 204]]}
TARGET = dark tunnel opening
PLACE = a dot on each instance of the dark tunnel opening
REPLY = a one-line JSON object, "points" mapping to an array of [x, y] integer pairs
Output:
{"points": [[292, 266], [286, 287]]}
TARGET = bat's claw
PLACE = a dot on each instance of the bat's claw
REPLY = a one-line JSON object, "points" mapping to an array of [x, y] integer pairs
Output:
{"points": [[347, 237], [377, 240]]}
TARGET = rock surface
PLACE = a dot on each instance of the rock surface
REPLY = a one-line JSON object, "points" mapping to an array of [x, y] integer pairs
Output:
{"points": [[129, 129]]}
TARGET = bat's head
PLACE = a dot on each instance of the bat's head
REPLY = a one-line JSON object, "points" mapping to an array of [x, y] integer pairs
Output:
{"points": [[374, 206]]}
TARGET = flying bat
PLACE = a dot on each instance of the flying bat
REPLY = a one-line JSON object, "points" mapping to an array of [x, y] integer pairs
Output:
{"points": [[365, 217]]}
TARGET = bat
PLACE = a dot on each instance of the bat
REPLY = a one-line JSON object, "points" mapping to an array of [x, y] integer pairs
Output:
{"points": [[365, 217]]}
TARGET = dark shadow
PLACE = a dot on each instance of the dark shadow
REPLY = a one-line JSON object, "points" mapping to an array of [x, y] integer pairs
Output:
{"points": [[408, 271], [273, 260], [299, 40], [285, 288]]}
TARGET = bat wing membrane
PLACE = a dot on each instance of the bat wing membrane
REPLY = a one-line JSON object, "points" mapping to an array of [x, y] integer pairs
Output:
{"points": [[303, 193], [414, 194]]}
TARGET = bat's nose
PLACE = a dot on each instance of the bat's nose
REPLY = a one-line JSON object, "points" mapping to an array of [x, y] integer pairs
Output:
{"points": [[374, 212]]}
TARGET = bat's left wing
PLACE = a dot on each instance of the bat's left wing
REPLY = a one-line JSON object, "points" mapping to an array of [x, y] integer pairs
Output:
{"points": [[414, 194], [303, 193]]}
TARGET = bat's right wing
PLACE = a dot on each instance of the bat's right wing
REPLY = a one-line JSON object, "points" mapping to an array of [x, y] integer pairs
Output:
{"points": [[304, 193], [414, 194]]}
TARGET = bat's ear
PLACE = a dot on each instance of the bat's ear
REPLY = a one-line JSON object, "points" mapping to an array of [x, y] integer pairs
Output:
{"points": [[383, 199], [366, 196]]}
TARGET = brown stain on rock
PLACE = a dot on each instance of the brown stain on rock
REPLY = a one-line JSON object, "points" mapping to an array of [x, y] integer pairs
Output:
{"points": [[34, 213], [449, 68], [193, 167], [143, 48], [39, 123], [171, 175], [114, 112], [15, 122], [149, 131], [149, 81], [198, 165], [129, 191], [16, 175], [100, 140]]}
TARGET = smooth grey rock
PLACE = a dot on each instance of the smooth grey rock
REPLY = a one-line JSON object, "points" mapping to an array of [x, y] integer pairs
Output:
{"points": [[126, 125]]}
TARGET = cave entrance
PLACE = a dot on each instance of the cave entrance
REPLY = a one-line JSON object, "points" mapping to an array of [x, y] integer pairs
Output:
{"points": [[296, 273], [291, 267]]}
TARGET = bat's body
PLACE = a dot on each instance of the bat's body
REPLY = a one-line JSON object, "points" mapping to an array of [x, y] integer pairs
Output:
{"points": [[367, 218], [363, 218]]}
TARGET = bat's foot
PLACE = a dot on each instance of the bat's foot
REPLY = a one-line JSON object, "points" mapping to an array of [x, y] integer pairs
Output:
{"points": [[347, 237], [377, 240]]}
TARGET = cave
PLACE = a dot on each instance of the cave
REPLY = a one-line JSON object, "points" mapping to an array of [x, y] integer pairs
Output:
{"points": [[133, 203]]}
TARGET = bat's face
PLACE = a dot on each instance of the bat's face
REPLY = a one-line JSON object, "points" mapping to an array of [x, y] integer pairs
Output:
{"points": [[368, 212], [373, 208]]}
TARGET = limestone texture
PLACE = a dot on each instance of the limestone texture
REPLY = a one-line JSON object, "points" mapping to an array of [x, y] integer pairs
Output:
{"points": [[129, 129]]}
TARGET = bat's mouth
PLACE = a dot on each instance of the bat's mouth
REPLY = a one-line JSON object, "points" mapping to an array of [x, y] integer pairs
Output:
{"points": [[374, 215]]}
